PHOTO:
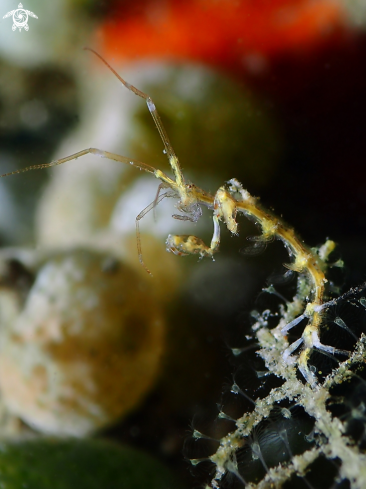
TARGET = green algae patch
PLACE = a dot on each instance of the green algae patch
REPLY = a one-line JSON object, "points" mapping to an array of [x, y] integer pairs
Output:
{"points": [[81, 464]]}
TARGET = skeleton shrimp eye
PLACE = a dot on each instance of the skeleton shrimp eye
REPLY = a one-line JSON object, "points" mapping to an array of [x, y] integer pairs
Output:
{"points": [[84, 348]]}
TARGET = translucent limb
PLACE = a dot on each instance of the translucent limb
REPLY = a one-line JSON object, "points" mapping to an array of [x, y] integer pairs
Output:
{"points": [[194, 213], [215, 242], [173, 160], [289, 351], [329, 349], [161, 186], [346, 295], [307, 373], [94, 151], [329, 355], [292, 324], [138, 219]]}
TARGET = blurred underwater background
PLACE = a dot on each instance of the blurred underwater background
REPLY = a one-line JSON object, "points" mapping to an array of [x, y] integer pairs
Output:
{"points": [[107, 373]]}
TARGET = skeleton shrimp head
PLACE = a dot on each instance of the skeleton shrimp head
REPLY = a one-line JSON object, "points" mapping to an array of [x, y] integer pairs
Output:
{"points": [[224, 207], [190, 206]]}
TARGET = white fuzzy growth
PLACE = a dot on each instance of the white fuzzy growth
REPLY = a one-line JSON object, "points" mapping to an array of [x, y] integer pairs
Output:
{"points": [[236, 186]]}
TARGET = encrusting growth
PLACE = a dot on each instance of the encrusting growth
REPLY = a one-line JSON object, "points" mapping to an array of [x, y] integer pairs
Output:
{"points": [[226, 204]]}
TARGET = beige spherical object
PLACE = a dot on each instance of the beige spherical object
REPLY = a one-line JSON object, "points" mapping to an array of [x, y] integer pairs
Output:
{"points": [[84, 349]]}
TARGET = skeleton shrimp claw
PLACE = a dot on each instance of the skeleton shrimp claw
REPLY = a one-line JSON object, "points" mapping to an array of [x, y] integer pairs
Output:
{"points": [[187, 245]]}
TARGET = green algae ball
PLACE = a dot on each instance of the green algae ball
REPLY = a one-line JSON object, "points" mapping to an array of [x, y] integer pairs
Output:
{"points": [[79, 464]]}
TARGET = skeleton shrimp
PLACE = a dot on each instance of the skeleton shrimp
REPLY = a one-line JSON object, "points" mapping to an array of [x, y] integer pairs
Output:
{"points": [[229, 200]]}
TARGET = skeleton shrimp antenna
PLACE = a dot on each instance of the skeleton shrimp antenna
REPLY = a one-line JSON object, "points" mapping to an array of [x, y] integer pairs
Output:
{"points": [[172, 157]]}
